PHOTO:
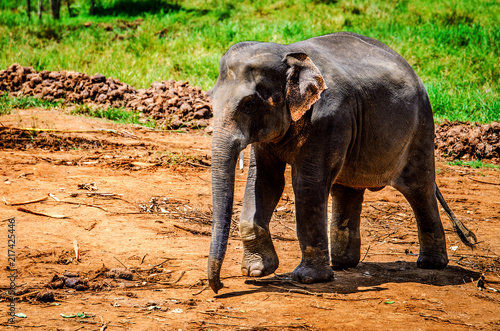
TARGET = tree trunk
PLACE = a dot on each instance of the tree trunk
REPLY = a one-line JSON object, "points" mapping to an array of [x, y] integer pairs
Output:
{"points": [[28, 8], [54, 7], [92, 9], [40, 9], [68, 3]]}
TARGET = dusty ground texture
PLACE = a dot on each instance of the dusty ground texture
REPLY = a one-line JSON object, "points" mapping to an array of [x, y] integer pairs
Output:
{"points": [[122, 242]]}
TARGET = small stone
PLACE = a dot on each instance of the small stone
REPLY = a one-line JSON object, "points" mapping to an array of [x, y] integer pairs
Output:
{"points": [[98, 78], [71, 274], [102, 98], [45, 296], [80, 287], [119, 273], [72, 281]]}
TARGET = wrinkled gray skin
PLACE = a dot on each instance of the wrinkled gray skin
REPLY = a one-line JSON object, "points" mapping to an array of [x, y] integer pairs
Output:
{"points": [[348, 114]]}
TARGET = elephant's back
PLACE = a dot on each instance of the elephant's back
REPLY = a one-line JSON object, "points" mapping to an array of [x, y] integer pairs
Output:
{"points": [[358, 60], [383, 98]]}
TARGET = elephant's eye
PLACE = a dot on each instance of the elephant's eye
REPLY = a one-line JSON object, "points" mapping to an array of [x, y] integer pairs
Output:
{"points": [[250, 106]]}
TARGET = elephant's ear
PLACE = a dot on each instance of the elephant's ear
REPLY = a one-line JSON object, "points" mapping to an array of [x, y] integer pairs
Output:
{"points": [[304, 84]]}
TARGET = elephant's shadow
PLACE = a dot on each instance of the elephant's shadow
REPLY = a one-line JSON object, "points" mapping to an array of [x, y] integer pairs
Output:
{"points": [[366, 277]]}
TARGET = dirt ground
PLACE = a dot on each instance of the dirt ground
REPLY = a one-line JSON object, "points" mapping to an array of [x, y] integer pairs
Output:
{"points": [[137, 202]]}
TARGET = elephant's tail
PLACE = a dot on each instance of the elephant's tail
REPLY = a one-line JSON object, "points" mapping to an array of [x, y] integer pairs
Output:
{"points": [[467, 236]]}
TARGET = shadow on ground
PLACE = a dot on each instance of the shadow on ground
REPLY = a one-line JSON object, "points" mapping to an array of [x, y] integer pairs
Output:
{"points": [[366, 277]]}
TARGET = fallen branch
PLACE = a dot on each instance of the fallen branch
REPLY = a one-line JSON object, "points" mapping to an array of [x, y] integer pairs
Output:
{"points": [[23, 326], [440, 319], [482, 181], [299, 291], [175, 281], [54, 197], [223, 315], [365, 254], [102, 194], [28, 295], [321, 295], [286, 226], [89, 228], [200, 291], [83, 204], [180, 277], [214, 323], [23, 203], [41, 214], [159, 264], [197, 164]]}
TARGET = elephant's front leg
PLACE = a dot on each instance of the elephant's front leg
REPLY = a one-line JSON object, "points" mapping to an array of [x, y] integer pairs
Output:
{"points": [[264, 187], [311, 189]]}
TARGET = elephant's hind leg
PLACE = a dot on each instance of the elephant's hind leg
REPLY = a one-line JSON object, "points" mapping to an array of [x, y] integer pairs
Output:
{"points": [[345, 239], [431, 238], [263, 190]]}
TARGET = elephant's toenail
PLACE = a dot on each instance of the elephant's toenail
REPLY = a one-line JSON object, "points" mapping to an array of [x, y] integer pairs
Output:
{"points": [[256, 273], [307, 280]]}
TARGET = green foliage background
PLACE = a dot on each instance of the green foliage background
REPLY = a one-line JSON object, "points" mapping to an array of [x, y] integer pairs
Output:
{"points": [[454, 45]]}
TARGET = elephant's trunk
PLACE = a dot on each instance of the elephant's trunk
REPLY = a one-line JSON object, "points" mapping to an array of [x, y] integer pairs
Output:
{"points": [[225, 150]]}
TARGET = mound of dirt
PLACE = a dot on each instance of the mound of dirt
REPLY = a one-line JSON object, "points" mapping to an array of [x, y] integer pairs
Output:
{"points": [[172, 104], [460, 140]]}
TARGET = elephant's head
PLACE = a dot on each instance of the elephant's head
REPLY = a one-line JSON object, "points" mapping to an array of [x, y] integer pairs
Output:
{"points": [[262, 88]]}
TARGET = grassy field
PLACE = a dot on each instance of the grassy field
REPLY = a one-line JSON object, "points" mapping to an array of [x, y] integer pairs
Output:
{"points": [[454, 45]]}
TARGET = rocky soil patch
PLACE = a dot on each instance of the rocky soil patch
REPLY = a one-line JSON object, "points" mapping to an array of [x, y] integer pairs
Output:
{"points": [[176, 104]]}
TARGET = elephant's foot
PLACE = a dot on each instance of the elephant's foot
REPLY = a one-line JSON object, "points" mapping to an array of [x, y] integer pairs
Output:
{"points": [[432, 252], [434, 261], [259, 256], [345, 252], [258, 265], [344, 262], [312, 274], [314, 267]]}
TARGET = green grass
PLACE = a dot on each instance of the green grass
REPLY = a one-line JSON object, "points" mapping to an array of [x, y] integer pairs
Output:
{"points": [[7, 103], [454, 45], [120, 115], [475, 164]]}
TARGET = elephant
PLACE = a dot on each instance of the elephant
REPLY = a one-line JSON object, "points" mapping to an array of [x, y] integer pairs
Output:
{"points": [[348, 114]]}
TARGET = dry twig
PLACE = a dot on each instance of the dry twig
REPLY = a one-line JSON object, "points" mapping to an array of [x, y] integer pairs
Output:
{"points": [[482, 181], [219, 314], [23, 203], [41, 214]]}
